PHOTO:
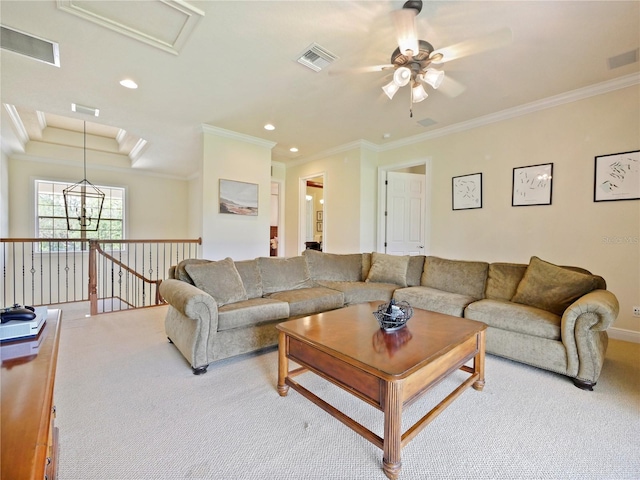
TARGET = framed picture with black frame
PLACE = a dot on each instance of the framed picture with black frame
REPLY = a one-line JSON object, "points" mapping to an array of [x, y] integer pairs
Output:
{"points": [[532, 185], [617, 177], [466, 191]]}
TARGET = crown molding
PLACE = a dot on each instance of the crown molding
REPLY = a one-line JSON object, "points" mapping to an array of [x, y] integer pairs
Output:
{"points": [[550, 102], [528, 108], [221, 132]]}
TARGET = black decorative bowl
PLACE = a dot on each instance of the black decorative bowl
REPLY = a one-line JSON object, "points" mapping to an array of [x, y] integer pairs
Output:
{"points": [[394, 318]]}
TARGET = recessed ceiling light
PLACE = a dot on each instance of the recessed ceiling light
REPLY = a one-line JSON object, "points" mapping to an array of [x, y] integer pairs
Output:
{"points": [[293, 149], [268, 126], [386, 135], [128, 83]]}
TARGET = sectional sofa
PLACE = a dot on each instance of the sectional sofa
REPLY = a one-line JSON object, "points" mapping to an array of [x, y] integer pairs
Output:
{"points": [[541, 314]]}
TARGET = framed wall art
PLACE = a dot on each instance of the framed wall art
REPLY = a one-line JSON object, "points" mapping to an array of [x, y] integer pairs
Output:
{"points": [[318, 226], [238, 198], [617, 177], [466, 191], [532, 185]]}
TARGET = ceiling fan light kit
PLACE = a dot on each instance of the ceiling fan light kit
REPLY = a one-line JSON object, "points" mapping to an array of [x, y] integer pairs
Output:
{"points": [[412, 59]]}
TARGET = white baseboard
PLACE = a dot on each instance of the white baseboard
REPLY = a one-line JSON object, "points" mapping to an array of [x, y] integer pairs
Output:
{"points": [[623, 334]]}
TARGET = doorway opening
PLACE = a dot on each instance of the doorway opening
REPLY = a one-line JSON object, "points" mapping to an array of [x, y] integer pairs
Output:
{"points": [[404, 208], [276, 229], [312, 215]]}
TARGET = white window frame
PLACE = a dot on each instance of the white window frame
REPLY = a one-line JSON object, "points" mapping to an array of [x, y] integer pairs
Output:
{"points": [[56, 187]]}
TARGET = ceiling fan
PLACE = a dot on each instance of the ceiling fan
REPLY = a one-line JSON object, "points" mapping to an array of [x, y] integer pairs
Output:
{"points": [[413, 61]]}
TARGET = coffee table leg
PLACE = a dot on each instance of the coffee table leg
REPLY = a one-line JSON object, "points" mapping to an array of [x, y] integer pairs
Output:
{"points": [[283, 364], [478, 362], [392, 446]]}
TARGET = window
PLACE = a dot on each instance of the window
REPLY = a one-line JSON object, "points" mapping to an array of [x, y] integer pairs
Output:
{"points": [[51, 220]]}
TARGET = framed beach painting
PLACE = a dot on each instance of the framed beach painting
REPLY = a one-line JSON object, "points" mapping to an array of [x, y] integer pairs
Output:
{"points": [[467, 191], [532, 185], [238, 198], [617, 177]]}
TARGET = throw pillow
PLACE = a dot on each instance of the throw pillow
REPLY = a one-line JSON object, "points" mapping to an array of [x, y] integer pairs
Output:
{"points": [[387, 268], [181, 272], [551, 287], [219, 279]]}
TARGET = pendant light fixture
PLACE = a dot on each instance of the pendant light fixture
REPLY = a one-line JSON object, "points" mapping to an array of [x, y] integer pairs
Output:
{"points": [[83, 201]]}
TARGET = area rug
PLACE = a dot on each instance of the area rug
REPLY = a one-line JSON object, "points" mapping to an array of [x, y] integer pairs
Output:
{"points": [[130, 408]]}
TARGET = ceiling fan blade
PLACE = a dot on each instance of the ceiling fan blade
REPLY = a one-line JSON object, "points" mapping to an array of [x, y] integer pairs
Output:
{"points": [[369, 69], [404, 22], [493, 40], [451, 88]]}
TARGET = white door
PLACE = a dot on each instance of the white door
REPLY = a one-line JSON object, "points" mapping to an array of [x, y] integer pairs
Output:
{"points": [[405, 213]]}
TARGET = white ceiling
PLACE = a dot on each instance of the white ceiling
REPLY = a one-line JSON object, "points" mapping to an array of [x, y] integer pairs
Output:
{"points": [[234, 67]]}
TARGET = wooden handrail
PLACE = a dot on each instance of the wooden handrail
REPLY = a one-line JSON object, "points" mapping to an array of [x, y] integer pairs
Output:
{"points": [[38, 240]]}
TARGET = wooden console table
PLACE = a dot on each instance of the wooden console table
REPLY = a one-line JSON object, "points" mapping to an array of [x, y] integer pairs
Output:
{"points": [[29, 437]]}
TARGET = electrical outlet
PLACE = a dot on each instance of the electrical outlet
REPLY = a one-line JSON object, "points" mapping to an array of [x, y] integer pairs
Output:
{"points": [[636, 311]]}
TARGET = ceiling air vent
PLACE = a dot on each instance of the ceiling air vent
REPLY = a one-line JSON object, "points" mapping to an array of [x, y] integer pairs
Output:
{"points": [[623, 59], [29, 46], [316, 58], [427, 122]]}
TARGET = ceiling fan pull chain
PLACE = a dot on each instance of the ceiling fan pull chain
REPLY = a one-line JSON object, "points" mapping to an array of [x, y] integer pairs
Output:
{"points": [[411, 101]]}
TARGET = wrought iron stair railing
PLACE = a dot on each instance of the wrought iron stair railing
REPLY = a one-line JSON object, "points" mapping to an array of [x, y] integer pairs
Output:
{"points": [[110, 274]]}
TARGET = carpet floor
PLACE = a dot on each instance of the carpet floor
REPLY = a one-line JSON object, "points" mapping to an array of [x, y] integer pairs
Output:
{"points": [[128, 407]]}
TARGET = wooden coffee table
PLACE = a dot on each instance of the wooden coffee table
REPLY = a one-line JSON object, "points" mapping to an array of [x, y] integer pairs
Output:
{"points": [[386, 370]]}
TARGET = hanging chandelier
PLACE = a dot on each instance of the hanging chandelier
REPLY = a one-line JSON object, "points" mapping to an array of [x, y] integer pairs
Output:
{"points": [[83, 201]]}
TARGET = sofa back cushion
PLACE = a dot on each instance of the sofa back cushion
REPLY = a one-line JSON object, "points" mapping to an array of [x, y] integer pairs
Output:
{"points": [[366, 265], [387, 268], [414, 270], [279, 274], [219, 279], [250, 275], [334, 267], [503, 280], [455, 276], [551, 287]]}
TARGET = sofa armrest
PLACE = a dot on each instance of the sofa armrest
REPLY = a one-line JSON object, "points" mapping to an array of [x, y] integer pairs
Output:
{"points": [[583, 331], [191, 322], [187, 299]]}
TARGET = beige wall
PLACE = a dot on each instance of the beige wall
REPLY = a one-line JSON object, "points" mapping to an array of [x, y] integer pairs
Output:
{"points": [[341, 202], [155, 204], [574, 230], [234, 157]]}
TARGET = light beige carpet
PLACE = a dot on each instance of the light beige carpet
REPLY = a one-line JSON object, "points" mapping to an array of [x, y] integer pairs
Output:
{"points": [[130, 408]]}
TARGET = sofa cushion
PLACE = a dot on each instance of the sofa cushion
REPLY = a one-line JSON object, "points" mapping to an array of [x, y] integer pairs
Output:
{"points": [[251, 312], [250, 275], [552, 288], [455, 276], [180, 271], [433, 299], [219, 279], [366, 264], [414, 270], [361, 292], [279, 273], [336, 267], [503, 280], [515, 317], [387, 268], [307, 301]]}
